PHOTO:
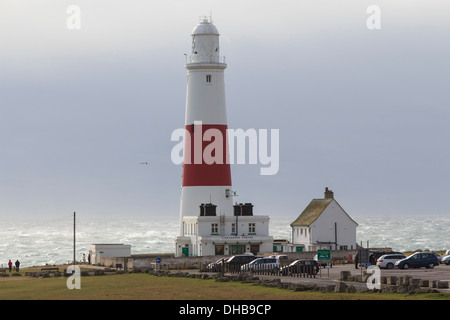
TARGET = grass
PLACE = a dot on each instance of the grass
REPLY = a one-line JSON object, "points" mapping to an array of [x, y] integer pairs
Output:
{"points": [[138, 286]]}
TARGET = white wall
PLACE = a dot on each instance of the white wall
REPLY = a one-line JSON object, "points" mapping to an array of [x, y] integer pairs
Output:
{"points": [[323, 228], [201, 226], [109, 251], [301, 235], [201, 242]]}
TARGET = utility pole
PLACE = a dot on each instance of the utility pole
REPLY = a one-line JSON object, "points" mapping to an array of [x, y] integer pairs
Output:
{"points": [[74, 237]]}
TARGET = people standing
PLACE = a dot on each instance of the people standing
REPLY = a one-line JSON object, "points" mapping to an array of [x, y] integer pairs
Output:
{"points": [[17, 263], [9, 265]]}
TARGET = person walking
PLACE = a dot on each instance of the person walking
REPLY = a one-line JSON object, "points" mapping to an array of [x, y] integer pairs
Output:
{"points": [[17, 263], [9, 265]]}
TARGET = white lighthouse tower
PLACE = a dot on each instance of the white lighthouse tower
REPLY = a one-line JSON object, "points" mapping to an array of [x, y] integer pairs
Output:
{"points": [[209, 222], [205, 182]]}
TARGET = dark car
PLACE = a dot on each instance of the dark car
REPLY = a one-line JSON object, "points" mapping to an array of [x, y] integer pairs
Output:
{"points": [[418, 260], [241, 259], [216, 266], [309, 266]]}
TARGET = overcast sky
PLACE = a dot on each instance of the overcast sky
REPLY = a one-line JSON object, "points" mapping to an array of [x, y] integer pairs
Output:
{"points": [[362, 111]]}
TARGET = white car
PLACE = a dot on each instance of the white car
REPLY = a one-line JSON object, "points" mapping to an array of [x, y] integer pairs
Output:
{"points": [[446, 259], [388, 260], [271, 264]]}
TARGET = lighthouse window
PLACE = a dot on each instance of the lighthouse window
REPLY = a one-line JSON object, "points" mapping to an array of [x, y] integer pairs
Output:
{"points": [[208, 78]]}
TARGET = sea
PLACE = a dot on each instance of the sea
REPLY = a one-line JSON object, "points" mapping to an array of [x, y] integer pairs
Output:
{"points": [[50, 241]]}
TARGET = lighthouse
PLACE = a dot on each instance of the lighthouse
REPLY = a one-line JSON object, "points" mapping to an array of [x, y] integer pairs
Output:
{"points": [[205, 181], [210, 222]]}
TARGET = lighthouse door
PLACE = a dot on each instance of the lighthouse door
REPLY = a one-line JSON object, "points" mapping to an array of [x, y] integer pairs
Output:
{"points": [[185, 251], [237, 249]]}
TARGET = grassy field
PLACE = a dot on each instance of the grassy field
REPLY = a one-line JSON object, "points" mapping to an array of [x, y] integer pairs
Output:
{"points": [[138, 286]]}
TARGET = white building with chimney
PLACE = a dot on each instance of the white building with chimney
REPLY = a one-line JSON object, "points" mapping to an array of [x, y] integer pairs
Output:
{"points": [[323, 224]]}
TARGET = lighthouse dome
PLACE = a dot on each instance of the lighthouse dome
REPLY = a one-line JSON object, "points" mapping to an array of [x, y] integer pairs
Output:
{"points": [[205, 27]]}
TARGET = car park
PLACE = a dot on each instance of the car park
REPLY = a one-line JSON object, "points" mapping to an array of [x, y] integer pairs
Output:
{"points": [[418, 260], [262, 264], [309, 266], [388, 261]]}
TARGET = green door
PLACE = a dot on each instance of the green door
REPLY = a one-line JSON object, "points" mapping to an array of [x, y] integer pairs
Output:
{"points": [[185, 251], [237, 249]]}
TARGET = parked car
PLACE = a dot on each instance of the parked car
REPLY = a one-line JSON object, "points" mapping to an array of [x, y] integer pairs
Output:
{"points": [[309, 266], [446, 260], [241, 259], [375, 255], [271, 264], [216, 266], [438, 256], [418, 260], [388, 260], [283, 258]]}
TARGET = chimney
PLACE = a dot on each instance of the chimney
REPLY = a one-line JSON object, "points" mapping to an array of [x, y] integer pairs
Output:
{"points": [[328, 194]]}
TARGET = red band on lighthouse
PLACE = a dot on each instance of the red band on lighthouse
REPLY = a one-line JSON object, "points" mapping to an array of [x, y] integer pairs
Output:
{"points": [[206, 156]]}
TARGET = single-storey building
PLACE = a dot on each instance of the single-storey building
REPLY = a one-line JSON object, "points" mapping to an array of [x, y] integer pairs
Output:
{"points": [[113, 250]]}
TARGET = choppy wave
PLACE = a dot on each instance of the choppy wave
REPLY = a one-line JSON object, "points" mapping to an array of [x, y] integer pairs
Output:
{"points": [[51, 242]]}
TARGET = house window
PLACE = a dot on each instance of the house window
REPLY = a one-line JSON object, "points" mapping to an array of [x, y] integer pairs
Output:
{"points": [[233, 228], [251, 228], [214, 228], [208, 78]]}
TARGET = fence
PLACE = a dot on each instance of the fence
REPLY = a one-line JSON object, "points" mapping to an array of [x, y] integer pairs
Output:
{"points": [[303, 271]]}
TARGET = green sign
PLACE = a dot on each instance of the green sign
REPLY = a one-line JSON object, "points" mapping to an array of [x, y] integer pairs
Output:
{"points": [[323, 255]]}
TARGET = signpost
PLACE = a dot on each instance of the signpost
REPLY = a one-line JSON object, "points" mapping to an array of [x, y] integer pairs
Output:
{"points": [[324, 255], [364, 261], [158, 266]]}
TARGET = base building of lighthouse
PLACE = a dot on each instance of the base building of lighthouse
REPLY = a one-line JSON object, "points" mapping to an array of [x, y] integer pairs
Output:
{"points": [[211, 223]]}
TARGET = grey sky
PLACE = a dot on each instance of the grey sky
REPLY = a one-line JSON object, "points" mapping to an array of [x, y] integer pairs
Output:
{"points": [[363, 112]]}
